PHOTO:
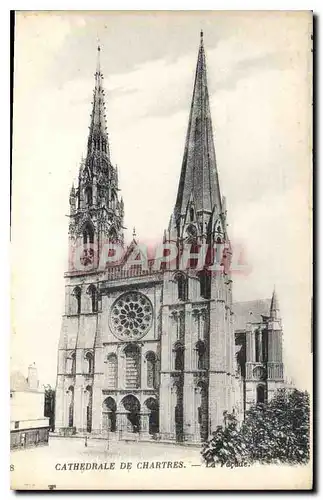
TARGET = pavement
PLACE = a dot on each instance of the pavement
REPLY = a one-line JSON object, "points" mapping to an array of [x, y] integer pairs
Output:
{"points": [[74, 449]]}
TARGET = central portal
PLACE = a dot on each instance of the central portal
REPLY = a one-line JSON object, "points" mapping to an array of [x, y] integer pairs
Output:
{"points": [[132, 405]]}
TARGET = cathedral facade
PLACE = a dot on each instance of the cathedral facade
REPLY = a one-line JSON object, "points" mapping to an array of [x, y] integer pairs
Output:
{"points": [[157, 348]]}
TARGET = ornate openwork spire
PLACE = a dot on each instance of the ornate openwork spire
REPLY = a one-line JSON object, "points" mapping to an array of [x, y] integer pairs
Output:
{"points": [[199, 176], [98, 136], [274, 306]]}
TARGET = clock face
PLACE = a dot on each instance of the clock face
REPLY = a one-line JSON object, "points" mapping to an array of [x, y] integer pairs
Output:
{"points": [[191, 230], [131, 316], [259, 372]]}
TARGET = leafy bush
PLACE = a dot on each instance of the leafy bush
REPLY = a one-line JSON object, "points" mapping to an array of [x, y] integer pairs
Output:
{"points": [[275, 432]]}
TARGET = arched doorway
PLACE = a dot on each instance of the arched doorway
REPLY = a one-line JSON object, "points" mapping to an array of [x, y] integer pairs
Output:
{"points": [[109, 415], [132, 406], [153, 406]]}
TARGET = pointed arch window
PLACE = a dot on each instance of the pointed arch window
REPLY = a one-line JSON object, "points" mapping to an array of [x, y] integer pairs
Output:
{"points": [[88, 196], [88, 234], [261, 346], [179, 356], [89, 363], [182, 286], [92, 291], [201, 355], [205, 284], [132, 354], [77, 293], [70, 364], [112, 371], [151, 370], [191, 214]]}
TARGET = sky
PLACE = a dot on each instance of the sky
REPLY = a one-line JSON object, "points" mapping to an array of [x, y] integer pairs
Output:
{"points": [[259, 75]]}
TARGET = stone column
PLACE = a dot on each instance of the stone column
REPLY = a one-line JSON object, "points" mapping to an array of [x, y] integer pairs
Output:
{"points": [[59, 403]]}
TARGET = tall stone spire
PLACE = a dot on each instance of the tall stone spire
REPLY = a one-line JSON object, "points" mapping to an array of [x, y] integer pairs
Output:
{"points": [[96, 211], [98, 136], [199, 178]]}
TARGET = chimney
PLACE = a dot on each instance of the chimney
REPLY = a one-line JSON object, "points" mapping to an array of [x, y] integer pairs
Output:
{"points": [[32, 377]]}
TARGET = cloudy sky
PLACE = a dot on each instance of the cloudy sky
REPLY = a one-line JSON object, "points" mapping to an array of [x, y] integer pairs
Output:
{"points": [[259, 73]]}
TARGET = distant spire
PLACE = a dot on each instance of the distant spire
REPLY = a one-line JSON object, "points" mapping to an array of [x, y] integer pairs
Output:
{"points": [[274, 306], [199, 171]]}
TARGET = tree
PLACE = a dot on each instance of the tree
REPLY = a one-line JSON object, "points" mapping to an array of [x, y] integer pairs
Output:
{"points": [[226, 446], [275, 432], [49, 405]]}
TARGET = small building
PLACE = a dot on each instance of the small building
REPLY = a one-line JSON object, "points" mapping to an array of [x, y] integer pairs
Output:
{"points": [[28, 426], [259, 349]]}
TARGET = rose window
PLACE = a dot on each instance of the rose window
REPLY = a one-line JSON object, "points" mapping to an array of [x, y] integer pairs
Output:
{"points": [[131, 316]]}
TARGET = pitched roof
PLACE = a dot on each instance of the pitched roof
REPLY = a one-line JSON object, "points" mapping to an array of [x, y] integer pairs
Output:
{"points": [[250, 312]]}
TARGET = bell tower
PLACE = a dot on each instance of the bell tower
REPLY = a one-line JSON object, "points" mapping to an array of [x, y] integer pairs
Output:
{"points": [[275, 366], [96, 212], [197, 372], [95, 219]]}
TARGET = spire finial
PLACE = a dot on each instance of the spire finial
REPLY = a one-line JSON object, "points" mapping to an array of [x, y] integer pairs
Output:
{"points": [[98, 65], [201, 36], [134, 233]]}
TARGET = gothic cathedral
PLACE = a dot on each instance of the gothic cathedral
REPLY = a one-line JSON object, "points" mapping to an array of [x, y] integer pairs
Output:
{"points": [[158, 352]]}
